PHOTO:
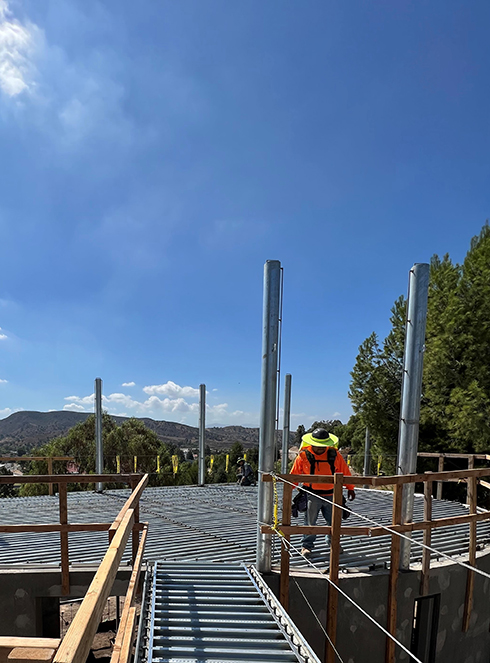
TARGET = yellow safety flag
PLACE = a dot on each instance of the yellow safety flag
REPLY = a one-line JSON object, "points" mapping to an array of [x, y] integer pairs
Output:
{"points": [[136, 463], [227, 462], [118, 464], [175, 463], [380, 458], [348, 459], [158, 464], [244, 456], [211, 461]]}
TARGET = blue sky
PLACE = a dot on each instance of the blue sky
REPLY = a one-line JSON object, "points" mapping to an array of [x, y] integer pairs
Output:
{"points": [[155, 155]]}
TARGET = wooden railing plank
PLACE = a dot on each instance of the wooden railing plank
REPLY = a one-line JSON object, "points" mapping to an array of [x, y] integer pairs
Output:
{"points": [[470, 579], [332, 600], [78, 639], [285, 552], [130, 503], [65, 478], [65, 559], [394, 570], [130, 597], [424, 584]]}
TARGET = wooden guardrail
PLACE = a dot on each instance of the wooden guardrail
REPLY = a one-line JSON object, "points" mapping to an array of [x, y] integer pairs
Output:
{"points": [[49, 459], [75, 646], [336, 530]]}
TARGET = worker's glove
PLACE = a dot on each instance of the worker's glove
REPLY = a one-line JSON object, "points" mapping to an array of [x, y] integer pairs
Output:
{"points": [[351, 495]]}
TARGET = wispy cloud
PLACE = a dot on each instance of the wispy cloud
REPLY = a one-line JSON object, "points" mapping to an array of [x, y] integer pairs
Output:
{"points": [[128, 384], [5, 412], [3, 381], [166, 400], [2, 336], [17, 47], [172, 390]]}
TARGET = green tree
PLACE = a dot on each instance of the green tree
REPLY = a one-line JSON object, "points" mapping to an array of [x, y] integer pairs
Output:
{"points": [[7, 489], [455, 404]]}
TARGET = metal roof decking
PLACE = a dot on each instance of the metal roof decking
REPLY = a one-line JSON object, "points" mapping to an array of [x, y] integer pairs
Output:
{"points": [[200, 612], [212, 523]]}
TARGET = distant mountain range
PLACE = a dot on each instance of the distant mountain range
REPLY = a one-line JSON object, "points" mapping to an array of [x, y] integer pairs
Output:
{"points": [[26, 430]]}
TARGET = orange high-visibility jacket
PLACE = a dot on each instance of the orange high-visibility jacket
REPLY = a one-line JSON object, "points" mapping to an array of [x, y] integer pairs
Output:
{"points": [[322, 466]]}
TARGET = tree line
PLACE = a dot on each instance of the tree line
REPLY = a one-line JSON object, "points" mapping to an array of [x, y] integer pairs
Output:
{"points": [[455, 399], [122, 444]]}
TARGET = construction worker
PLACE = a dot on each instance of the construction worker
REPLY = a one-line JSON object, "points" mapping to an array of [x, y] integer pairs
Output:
{"points": [[245, 474], [319, 455]]}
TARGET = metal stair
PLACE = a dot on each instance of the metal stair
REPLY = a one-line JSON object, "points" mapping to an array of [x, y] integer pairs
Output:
{"points": [[214, 613]]}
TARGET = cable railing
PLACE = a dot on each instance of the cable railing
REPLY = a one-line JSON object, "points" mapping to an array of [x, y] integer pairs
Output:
{"points": [[397, 529], [76, 644]]}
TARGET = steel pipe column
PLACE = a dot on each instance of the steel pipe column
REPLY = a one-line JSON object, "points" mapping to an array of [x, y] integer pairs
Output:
{"points": [[413, 361], [99, 452], [367, 455], [285, 424], [270, 337], [202, 433]]}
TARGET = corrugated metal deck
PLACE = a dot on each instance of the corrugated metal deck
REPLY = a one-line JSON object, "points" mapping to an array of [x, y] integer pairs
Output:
{"points": [[198, 612], [213, 523]]}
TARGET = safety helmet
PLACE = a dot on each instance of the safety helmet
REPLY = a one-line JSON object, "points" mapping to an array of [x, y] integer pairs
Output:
{"points": [[319, 438], [240, 460]]}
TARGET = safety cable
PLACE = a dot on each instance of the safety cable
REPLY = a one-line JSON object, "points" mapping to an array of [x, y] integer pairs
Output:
{"points": [[318, 620], [391, 531], [366, 614]]}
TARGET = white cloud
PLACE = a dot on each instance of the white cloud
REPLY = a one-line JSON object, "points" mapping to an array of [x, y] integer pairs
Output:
{"points": [[128, 384], [2, 337], [74, 407], [177, 409], [18, 43], [3, 381], [172, 390], [5, 412]]}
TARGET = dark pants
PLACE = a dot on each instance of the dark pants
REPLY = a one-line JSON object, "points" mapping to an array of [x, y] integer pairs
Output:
{"points": [[315, 505]]}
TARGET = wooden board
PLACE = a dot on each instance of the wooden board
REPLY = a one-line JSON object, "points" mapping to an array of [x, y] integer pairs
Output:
{"points": [[78, 639], [131, 503], [28, 654], [332, 600], [130, 597]]}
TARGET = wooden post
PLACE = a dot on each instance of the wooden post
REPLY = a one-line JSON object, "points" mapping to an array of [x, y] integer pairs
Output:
{"points": [[471, 465], [394, 568], [470, 580], [136, 534], [50, 472], [334, 567], [440, 468], [65, 560], [424, 584], [286, 520]]}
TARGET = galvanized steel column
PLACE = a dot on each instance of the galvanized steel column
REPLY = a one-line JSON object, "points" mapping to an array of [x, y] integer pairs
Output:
{"points": [[99, 452], [285, 424], [367, 454], [413, 361], [202, 432], [270, 337]]}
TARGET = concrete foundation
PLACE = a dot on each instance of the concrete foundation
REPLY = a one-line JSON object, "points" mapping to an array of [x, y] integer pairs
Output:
{"points": [[29, 598], [360, 641]]}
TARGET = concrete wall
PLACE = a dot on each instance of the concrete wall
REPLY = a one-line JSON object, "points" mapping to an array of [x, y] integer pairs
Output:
{"points": [[28, 598], [360, 641]]}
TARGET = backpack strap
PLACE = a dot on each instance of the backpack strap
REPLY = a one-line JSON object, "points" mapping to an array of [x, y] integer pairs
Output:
{"points": [[311, 459], [331, 458]]}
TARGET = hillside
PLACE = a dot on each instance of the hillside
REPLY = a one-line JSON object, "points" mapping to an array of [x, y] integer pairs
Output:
{"points": [[26, 430]]}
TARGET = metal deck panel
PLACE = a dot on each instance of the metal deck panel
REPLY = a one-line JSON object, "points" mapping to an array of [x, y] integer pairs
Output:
{"points": [[211, 524]]}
